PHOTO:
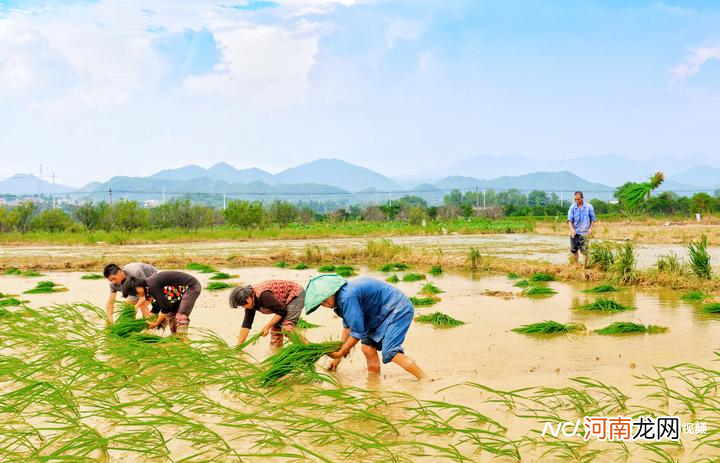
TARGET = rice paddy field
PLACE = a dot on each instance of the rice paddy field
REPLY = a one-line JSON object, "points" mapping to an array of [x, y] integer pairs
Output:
{"points": [[70, 391]]}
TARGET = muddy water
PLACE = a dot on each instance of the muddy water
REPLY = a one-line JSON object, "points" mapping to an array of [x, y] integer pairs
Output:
{"points": [[552, 249], [484, 350]]}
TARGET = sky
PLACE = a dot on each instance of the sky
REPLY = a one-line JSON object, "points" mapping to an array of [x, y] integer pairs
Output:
{"points": [[93, 89]]}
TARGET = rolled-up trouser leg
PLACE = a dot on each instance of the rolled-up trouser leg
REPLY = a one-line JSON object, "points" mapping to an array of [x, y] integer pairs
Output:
{"points": [[186, 306]]}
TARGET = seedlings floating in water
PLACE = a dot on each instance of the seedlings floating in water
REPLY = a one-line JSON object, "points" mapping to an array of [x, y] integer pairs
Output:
{"points": [[301, 266], [694, 296], [10, 302], [13, 271], [394, 267], [513, 275], [393, 279], [629, 327], [541, 277], [430, 288], [222, 276], [712, 308], [549, 327], [409, 277], [439, 320], [522, 284], [31, 273], [202, 268], [282, 264], [605, 305], [342, 270], [423, 301], [92, 276], [435, 270], [46, 287], [218, 285], [601, 289], [538, 291]]}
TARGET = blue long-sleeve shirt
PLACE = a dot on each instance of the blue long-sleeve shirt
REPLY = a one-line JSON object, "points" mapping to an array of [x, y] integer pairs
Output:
{"points": [[366, 306]]}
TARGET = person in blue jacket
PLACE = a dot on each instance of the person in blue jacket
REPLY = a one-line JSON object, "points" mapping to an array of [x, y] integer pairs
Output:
{"points": [[373, 312]]}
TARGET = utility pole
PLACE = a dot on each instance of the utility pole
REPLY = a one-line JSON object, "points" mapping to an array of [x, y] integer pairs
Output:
{"points": [[224, 202], [477, 197], [483, 198]]}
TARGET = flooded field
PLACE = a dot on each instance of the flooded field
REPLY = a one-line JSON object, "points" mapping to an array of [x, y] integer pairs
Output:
{"points": [[486, 352]]}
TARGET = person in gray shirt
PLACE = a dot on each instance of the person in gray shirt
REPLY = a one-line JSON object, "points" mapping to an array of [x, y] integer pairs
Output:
{"points": [[117, 275]]}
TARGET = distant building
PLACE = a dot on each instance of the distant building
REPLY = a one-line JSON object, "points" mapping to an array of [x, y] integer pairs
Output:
{"points": [[151, 203]]}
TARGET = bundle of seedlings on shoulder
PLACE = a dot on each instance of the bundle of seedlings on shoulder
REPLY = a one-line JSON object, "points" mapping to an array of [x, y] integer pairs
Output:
{"points": [[538, 291], [218, 285], [423, 301], [13, 271], [300, 266], [513, 275], [393, 279], [605, 305], [222, 276], [635, 193], [522, 284], [305, 325], [92, 276], [439, 320], [282, 264], [712, 307], [700, 258], [394, 267], [126, 323], [601, 289], [430, 288], [46, 287], [202, 268], [435, 270], [409, 277], [698, 296], [342, 270], [630, 327], [541, 277], [549, 327], [294, 361]]}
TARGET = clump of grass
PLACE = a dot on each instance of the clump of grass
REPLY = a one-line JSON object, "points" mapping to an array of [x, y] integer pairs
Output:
{"points": [[694, 296], [46, 287], [435, 270], [635, 193], [202, 268], [513, 275], [409, 277], [669, 263], [541, 277], [538, 291], [700, 258], [430, 288], [474, 258], [549, 327], [342, 270], [423, 301], [92, 276], [301, 266], [394, 267], [601, 289], [282, 264], [439, 320], [605, 305], [218, 285], [712, 307], [601, 254], [393, 279], [222, 276], [294, 360], [522, 284], [624, 266], [126, 323], [13, 271], [630, 327], [305, 325]]}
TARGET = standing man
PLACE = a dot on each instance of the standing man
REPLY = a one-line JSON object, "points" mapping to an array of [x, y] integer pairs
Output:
{"points": [[581, 220], [117, 275]]}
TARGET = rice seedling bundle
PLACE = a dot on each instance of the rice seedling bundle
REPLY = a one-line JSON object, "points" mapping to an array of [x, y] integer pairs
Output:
{"points": [[294, 360], [344, 271], [45, 287], [305, 325], [13, 271], [394, 267], [602, 254], [202, 268], [624, 266], [218, 285], [222, 276], [630, 327], [522, 284], [430, 288], [541, 277], [92, 276], [474, 258], [435, 270], [605, 305], [538, 291], [601, 289], [126, 323], [423, 301], [700, 258], [669, 263], [694, 296], [409, 277], [513, 275], [635, 193], [301, 266], [439, 320], [393, 279], [549, 327], [712, 307], [10, 302], [282, 264], [31, 273]]}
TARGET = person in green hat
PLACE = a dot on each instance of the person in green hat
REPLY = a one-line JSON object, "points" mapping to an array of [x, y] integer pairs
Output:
{"points": [[374, 313]]}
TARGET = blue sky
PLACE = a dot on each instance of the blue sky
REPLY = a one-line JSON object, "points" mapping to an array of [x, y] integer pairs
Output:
{"points": [[93, 89]]}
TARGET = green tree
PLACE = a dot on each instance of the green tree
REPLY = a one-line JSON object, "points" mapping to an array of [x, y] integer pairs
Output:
{"points": [[701, 202], [88, 215], [537, 198], [416, 214], [7, 219], [282, 212], [129, 215], [53, 221], [455, 198], [23, 215], [244, 214]]}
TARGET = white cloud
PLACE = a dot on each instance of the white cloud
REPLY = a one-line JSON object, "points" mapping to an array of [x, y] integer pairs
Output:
{"points": [[693, 62]]}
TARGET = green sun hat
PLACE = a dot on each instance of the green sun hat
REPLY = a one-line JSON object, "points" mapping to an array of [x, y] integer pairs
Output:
{"points": [[320, 288]]}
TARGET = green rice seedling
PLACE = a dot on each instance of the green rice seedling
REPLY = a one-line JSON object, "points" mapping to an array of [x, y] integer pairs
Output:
{"points": [[605, 305], [326, 268], [541, 277], [700, 258], [10, 302], [13, 271], [305, 325], [92, 276], [513, 276], [549, 327], [669, 263], [394, 267], [344, 271], [46, 287], [474, 258], [294, 360], [31, 273], [435, 270], [439, 320], [430, 289], [538, 291], [409, 277], [630, 327], [218, 285], [126, 323], [393, 279], [602, 254], [601, 289], [623, 268], [222, 276], [202, 268], [712, 307], [522, 284], [698, 296], [635, 193], [282, 264], [423, 301], [301, 266]]}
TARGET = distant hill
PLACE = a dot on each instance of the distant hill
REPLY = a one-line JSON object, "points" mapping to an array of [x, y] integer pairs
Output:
{"points": [[28, 184], [703, 176], [220, 171], [337, 173]]}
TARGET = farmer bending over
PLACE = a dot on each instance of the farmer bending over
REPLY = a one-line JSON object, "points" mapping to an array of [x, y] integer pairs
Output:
{"points": [[174, 293], [284, 299], [581, 220], [373, 312], [117, 275]]}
